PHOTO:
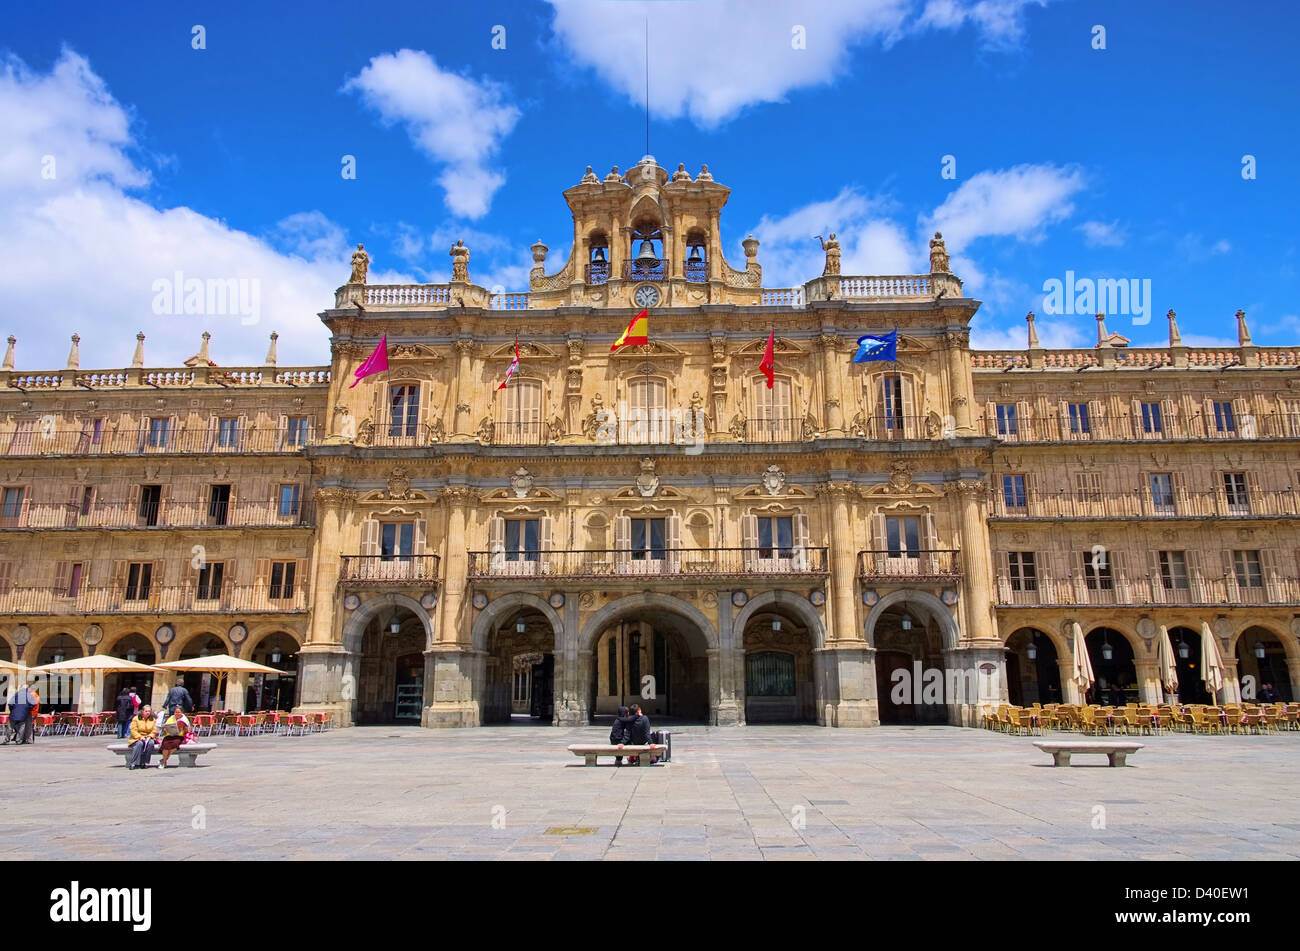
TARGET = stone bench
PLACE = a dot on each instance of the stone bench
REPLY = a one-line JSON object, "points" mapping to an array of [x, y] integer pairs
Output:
{"points": [[1061, 750], [646, 753], [188, 752]]}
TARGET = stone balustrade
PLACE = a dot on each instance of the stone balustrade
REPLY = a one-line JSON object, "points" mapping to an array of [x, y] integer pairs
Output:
{"points": [[166, 378]]}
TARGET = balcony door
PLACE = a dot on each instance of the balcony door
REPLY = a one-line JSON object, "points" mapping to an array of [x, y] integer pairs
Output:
{"points": [[521, 414], [647, 417], [775, 544], [647, 545], [403, 409], [773, 412], [904, 545]]}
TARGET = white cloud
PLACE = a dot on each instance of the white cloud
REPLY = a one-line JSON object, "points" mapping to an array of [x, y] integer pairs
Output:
{"points": [[456, 121], [1018, 202], [1195, 247], [1100, 234], [710, 60], [82, 255]]}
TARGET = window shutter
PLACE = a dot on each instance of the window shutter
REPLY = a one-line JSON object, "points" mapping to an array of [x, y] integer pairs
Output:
{"points": [[878, 541], [1268, 563], [1096, 419], [622, 542], [673, 527], [419, 536], [1063, 420], [1181, 503], [1033, 490], [910, 428], [496, 542], [426, 411], [1253, 494], [1196, 576], [119, 579], [133, 504], [143, 434], [545, 542], [164, 496], [1119, 571], [1240, 410], [1023, 424], [749, 541], [931, 544], [370, 537], [261, 578], [281, 441], [990, 418], [244, 440], [1004, 577], [1138, 431], [1229, 575], [1208, 416], [61, 571], [1169, 414], [1157, 582], [6, 576], [802, 540], [1078, 575], [231, 505]]}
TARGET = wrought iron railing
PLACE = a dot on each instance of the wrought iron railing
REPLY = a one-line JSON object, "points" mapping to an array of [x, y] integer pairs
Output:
{"points": [[154, 599], [884, 564], [389, 569], [646, 564], [1129, 427], [635, 271], [1012, 502], [1041, 589], [174, 513], [144, 440]]}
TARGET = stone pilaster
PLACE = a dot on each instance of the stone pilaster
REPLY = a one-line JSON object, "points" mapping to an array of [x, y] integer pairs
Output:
{"points": [[332, 505], [847, 686], [461, 422], [960, 386], [452, 665], [832, 375], [977, 570], [843, 566]]}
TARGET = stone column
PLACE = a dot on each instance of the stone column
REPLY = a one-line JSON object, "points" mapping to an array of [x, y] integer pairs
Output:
{"points": [[1069, 689], [848, 674], [331, 507], [977, 569], [1293, 672], [727, 706], [461, 422], [572, 665], [1231, 684], [832, 374], [843, 565], [1148, 677], [960, 389], [965, 674], [449, 699], [236, 692]]}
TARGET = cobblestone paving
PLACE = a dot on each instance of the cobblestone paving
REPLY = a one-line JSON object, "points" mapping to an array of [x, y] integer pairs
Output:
{"points": [[777, 793]]}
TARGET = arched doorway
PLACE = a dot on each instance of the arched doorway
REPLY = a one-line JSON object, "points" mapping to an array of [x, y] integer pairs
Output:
{"points": [[274, 691], [59, 693], [1033, 674], [909, 659], [390, 679], [779, 682], [653, 650], [1186, 643], [1112, 663], [1261, 656], [205, 689], [521, 669], [138, 648]]}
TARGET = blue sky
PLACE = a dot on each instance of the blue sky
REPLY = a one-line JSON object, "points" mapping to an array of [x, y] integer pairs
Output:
{"points": [[225, 162]]}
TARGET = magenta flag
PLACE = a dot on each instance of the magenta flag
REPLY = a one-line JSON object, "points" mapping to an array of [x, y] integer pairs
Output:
{"points": [[377, 362]]}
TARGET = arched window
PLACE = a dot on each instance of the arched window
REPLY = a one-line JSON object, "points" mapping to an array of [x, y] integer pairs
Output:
{"points": [[597, 258], [696, 266]]}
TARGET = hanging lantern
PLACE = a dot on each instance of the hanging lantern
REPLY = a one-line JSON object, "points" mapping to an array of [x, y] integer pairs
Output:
{"points": [[395, 626], [1183, 650], [1107, 652], [133, 655], [1032, 651], [275, 656], [907, 622], [1259, 649], [519, 626], [776, 624], [59, 657]]}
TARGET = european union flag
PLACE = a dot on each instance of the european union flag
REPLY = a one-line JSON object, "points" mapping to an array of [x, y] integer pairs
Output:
{"points": [[877, 347]]}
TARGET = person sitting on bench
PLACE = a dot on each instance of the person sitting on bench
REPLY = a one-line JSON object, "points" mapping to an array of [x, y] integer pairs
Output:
{"points": [[144, 736], [638, 731], [174, 732], [619, 733]]}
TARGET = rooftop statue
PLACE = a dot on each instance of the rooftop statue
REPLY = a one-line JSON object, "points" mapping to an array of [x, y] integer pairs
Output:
{"points": [[832, 249], [459, 262], [938, 255], [360, 265]]}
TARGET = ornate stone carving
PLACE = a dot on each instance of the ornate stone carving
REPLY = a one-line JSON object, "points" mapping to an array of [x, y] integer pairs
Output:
{"points": [[719, 378], [366, 432], [465, 346], [334, 495], [575, 379], [555, 429], [900, 476], [460, 494], [576, 345], [938, 255], [738, 425], [399, 486], [647, 483], [360, 265], [485, 431], [718, 344], [773, 480], [437, 432], [933, 425], [809, 429], [598, 417], [521, 482], [459, 262]]}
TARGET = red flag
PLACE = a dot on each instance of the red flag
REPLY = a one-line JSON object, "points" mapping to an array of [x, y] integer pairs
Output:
{"points": [[768, 366], [377, 362], [514, 365]]}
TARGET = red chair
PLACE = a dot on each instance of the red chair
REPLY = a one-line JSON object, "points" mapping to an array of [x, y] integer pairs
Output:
{"points": [[44, 724]]}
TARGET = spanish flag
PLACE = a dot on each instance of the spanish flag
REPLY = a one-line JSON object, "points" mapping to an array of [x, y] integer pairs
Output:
{"points": [[638, 332]]}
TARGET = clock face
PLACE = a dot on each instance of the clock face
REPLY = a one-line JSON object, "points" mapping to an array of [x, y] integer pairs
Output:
{"points": [[647, 295]]}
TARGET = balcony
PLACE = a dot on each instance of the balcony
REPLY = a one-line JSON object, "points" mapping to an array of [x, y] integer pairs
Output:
{"points": [[238, 514], [520, 434], [702, 564], [696, 272], [389, 569], [656, 271], [774, 430], [882, 566], [597, 273], [893, 428], [141, 441], [1142, 591], [1142, 504], [154, 599], [1126, 428]]}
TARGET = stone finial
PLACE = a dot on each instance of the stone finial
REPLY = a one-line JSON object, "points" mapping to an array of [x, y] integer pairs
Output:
{"points": [[1243, 332], [9, 355], [201, 359], [704, 175], [750, 245], [1103, 337], [1033, 332], [270, 351], [74, 355], [137, 360], [938, 255], [1175, 338], [590, 178], [539, 252]]}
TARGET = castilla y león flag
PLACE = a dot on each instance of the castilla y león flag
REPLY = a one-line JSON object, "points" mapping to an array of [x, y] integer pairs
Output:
{"points": [[768, 366], [638, 332], [377, 362]]}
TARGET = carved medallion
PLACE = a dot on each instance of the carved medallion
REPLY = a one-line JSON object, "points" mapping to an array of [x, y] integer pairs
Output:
{"points": [[773, 480], [647, 483], [521, 482]]}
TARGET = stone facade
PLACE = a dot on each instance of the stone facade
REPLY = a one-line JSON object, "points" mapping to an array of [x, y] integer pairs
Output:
{"points": [[656, 523]]}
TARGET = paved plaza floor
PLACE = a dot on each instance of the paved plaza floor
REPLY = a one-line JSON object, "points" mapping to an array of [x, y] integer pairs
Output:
{"points": [[740, 793]]}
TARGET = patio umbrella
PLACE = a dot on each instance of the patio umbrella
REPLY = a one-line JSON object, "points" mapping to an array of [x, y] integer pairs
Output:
{"points": [[1168, 668], [1083, 676], [92, 665], [218, 665], [1211, 661]]}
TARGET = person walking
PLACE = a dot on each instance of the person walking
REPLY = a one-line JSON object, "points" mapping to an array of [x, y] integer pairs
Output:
{"points": [[23, 708], [125, 712], [144, 737], [178, 696]]}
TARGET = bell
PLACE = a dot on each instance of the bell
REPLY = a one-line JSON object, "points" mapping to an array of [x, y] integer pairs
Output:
{"points": [[695, 257], [646, 257], [598, 256]]}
